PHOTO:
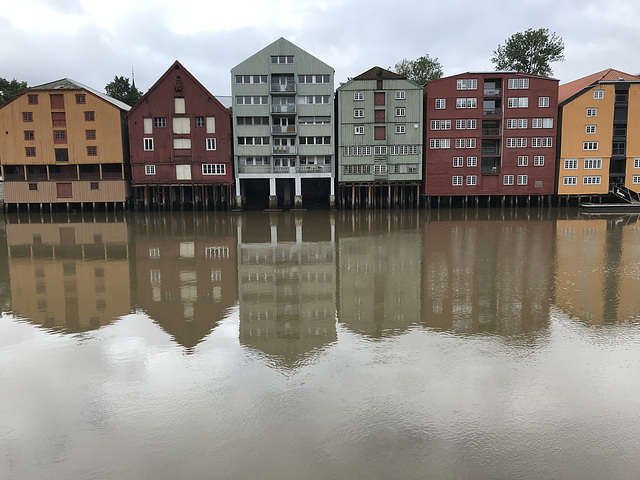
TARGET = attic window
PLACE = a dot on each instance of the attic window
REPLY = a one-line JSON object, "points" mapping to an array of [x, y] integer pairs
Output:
{"points": [[178, 86]]}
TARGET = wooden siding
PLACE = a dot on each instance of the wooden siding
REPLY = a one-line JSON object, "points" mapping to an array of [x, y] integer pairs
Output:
{"points": [[159, 103], [633, 136], [47, 192], [107, 124]]}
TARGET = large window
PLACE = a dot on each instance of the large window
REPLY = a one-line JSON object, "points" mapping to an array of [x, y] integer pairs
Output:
{"points": [[591, 180], [214, 169], [593, 164], [466, 102], [518, 83], [570, 163], [590, 145], [467, 84], [569, 180]]}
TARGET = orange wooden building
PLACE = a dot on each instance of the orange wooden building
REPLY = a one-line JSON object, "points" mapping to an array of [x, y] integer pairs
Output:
{"points": [[64, 143]]}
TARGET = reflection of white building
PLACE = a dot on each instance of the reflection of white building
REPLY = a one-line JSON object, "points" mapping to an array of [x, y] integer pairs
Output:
{"points": [[286, 288]]}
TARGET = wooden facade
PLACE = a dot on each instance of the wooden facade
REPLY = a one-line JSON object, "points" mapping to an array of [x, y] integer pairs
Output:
{"points": [[180, 137], [64, 143], [490, 134]]}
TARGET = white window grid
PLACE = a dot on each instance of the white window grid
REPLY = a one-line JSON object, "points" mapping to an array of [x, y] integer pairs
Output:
{"points": [[538, 161], [458, 161], [592, 112], [148, 144], [543, 102], [357, 96], [456, 180], [149, 169], [518, 83], [400, 95], [211, 143], [401, 112], [523, 160], [598, 94], [358, 130], [593, 164], [636, 162], [591, 180], [472, 161], [569, 180], [589, 145], [400, 129], [570, 163], [636, 179], [441, 103], [523, 179], [214, 169], [358, 113], [471, 179], [590, 129], [507, 180]]}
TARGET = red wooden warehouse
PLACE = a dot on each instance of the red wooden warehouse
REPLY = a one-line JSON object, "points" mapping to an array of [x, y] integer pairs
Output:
{"points": [[180, 143], [490, 134]]}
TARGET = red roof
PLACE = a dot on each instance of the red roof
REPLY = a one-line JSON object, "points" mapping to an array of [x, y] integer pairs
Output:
{"points": [[567, 90]]}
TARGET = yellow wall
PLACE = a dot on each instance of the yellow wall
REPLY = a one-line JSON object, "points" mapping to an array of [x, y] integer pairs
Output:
{"points": [[574, 122], [109, 191], [633, 137], [107, 125]]}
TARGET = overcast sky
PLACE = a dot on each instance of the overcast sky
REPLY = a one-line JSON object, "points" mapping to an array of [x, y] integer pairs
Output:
{"points": [[91, 41]]}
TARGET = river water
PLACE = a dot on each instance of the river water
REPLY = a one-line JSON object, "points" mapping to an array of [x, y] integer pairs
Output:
{"points": [[451, 344]]}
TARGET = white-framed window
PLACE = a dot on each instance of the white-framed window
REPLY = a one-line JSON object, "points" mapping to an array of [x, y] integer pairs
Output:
{"points": [[523, 179], [589, 145], [357, 96], [439, 143], [523, 160], [516, 123], [598, 94], [511, 143], [466, 124], [445, 124], [214, 169], [590, 129], [154, 252], [636, 162], [592, 112], [379, 169], [472, 161], [358, 130], [591, 180], [435, 124], [570, 163], [405, 149], [400, 129], [536, 142], [456, 180], [149, 169], [441, 103], [518, 102], [507, 180], [401, 112], [518, 83], [281, 58], [522, 123], [471, 179], [148, 144], [593, 164], [547, 123], [522, 142], [636, 179], [251, 79], [461, 143], [467, 84], [536, 123], [458, 161], [318, 78], [357, 151], [211, 143], [569, 180], [466, 102], [159, 122], [538, 161], [547, 141], [543, 102], [358, 113], [400, 95], [380, 150], [252, 100]]}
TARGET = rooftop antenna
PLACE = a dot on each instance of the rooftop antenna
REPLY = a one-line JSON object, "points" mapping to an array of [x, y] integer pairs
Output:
{"points": [[133, 80]]}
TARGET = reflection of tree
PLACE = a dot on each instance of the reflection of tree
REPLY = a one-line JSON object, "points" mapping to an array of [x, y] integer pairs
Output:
{"points": [[74, 276], [286, 288], [185, 273]]}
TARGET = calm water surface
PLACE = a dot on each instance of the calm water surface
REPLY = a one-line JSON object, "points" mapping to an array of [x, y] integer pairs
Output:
{"points": [[444, 345]]}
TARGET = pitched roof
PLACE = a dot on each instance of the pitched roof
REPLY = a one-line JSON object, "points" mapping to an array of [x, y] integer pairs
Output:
{"points": [[176, 66], [377, 72], [68, 84], [567, 90]]}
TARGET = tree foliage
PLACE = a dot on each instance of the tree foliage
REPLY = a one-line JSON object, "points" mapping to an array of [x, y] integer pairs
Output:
{"points": [[122, 90], [420, 70], [531, 51], [9, 89]]}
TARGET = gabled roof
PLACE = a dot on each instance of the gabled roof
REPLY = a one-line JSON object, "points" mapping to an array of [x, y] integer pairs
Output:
{"points": [[378, 72], [282, 46], [176, 66], [68, 84], [570, 89]]}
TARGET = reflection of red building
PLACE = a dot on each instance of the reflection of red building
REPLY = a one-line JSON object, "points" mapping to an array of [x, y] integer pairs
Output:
{"points": [[186, 283], [487, 276], [180, 142]]}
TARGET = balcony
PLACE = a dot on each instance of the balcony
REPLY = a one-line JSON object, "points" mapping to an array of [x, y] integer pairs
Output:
{"points": [[289, 150], [254, 168], [491, 111], [284, 169], [490, 166], [277, 88], [490, 131], [488, 150], [492, 92], [279, 130], [314, 169], [287, 108]]}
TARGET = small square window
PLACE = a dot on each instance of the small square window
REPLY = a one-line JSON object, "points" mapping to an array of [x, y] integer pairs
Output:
{"points": [[33, 99], [200, 122], [27, 116], [30, 151], [89, 116], [92, 151], [95, 186], [29, 135], [91, 134], [33, 186], [358, 130], [358, 96], [149, 169], [80, 98]]}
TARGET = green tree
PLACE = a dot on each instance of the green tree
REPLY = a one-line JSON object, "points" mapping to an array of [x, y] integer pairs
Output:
{"points": [[531, 51], [420, 70], [122, 90], [9, 89]]}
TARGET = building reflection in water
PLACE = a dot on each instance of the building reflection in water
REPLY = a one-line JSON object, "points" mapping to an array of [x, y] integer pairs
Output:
{"points": [[598, 269], [286, 283], [185, 272], [72, 276], [379, 266], [484, 276]]}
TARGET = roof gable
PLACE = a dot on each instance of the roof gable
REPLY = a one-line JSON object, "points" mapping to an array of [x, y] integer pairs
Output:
{"points": [[568, 90], [281, 46], [69, 84]]}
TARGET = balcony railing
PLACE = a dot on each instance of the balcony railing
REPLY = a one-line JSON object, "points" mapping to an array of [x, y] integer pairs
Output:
{"points": [[490, 131], [314, 169], [36, 176], [490, 150], [492, 111], [276, 129], [490, 170], [277, 88], [491, 92], [290, 150], [254, 169], [288, 108], [280, 169]]}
